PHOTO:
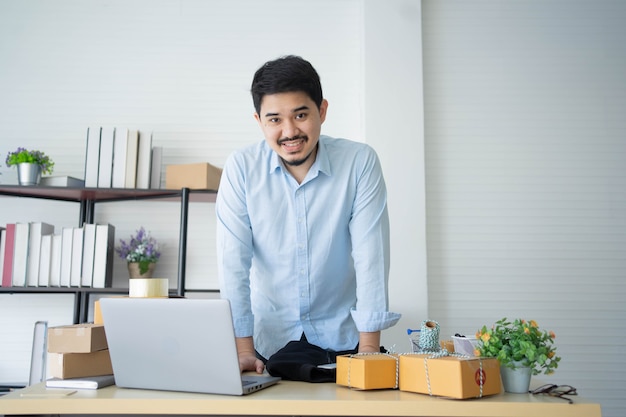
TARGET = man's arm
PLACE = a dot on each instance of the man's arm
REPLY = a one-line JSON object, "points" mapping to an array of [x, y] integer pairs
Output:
{"points": [[369, 342], [247, 355]]}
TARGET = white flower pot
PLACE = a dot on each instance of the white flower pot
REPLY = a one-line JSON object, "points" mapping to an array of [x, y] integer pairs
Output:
{"points": [[516, 380]]}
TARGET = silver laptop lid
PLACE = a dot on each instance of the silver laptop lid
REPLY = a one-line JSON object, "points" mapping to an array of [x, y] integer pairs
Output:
{"points": [[172, 344]]}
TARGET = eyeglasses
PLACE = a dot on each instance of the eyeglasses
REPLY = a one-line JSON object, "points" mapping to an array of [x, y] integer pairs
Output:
{"points": [[556, 391]]}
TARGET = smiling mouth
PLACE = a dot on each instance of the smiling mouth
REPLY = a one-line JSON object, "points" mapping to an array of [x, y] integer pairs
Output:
{"points": [[292, 142]]}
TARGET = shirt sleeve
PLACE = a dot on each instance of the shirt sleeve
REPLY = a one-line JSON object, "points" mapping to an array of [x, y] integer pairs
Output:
{"points": [[234, 247], [369, 230]]}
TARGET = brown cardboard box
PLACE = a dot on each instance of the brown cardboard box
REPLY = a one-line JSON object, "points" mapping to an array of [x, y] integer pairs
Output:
{"points": [[97, 313], [449, 376], [447, 345], [77, 338], [76, 365], [201, 176], [371, 371]]}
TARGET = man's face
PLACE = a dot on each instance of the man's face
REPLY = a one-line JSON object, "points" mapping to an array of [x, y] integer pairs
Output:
{"points": [[291, 124]]}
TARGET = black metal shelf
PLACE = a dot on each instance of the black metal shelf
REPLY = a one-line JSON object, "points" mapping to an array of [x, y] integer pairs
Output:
{"points": [[87, 198]]}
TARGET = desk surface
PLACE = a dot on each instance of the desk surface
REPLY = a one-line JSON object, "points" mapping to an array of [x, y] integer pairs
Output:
{"points": [[286, 398]]}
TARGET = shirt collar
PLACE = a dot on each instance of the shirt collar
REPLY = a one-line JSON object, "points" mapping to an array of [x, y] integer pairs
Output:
{"points": [[321, 164]]}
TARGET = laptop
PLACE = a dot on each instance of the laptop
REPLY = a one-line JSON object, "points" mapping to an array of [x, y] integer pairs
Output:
{"points": [[176, 344]]}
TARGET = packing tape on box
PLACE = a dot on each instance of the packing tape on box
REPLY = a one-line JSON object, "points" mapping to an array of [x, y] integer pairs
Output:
{"points": [[148, 287]]}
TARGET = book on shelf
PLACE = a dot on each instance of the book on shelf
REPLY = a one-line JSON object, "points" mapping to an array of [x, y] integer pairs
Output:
{"points": [[155, 168], [3, 243], [120, 152], [7, 267], [62, 181], [43, 280], [103, 256], [105, 163], [56, 251], [20, 254], [131, 159], [76, 268], [37, 230], [144, 158], [87, 382], [89, 242], [67, 240], [92, 156]]}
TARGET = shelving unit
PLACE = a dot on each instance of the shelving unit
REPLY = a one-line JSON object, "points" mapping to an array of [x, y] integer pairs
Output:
{"points": [[87, 199]]}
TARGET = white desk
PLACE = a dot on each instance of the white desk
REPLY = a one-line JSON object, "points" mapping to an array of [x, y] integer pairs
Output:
{"points": [[288, 398]]}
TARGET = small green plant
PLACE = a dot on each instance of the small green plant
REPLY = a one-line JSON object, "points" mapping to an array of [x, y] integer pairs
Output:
{"points": [[141, 248], [23, 155], [519, 341]]}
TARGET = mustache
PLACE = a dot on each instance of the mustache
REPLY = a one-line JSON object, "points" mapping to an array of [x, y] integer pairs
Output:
{"points": [[283, 140]]}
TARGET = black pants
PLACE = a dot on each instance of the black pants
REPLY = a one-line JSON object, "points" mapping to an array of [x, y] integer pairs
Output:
{"points": [[299, 360]]}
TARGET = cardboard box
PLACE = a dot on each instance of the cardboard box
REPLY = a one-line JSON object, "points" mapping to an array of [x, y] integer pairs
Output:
{"points": [[76, 365], [77, 338], [449, 376], [371, 371], [447, 345], [97, 313], [201, 176]]}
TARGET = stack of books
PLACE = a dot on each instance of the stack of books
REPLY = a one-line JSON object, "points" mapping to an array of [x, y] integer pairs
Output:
{"points": [[33, 255], [121, 158]]}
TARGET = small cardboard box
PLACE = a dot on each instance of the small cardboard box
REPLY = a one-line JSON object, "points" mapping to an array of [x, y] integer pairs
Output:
{"points": [[371, 371], [201, 176], [77, 338], [447, 345], [449, 376], [76, 365]]}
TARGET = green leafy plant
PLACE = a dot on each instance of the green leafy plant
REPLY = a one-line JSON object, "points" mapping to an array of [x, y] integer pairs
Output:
{"points": [[23, 155], [519, 341], [141, 248]]}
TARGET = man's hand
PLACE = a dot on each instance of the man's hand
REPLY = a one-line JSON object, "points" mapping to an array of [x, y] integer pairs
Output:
{"points": [[369, 342], [247, 356]]}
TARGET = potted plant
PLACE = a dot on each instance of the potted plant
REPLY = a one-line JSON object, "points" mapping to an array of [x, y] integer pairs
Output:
{"points": [[30, 165], [141, 253], [519, 345]]}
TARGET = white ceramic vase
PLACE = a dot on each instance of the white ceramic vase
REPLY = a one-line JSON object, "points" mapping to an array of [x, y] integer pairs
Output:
{"points": [[516, 380]]}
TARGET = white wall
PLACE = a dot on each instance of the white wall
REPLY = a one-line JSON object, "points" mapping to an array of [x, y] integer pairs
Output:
{"points": [[525, 150], [182, 69], [394, 127]]}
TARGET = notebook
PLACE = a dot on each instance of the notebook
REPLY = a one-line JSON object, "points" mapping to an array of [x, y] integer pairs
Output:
{"points": [[176, 344]]}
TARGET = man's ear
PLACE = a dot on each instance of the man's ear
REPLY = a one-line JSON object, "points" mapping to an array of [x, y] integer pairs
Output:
{"points": [[257, 118], [323, 109]]}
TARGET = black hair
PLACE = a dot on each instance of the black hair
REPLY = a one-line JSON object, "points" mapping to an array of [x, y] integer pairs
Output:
{"points": [[284, 75]]}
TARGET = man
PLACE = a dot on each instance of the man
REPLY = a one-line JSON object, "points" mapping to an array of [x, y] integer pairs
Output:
{"points": [[303, 229]]}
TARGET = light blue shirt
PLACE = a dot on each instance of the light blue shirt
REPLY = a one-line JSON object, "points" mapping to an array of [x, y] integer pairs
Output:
{"points": [[310, 257]]}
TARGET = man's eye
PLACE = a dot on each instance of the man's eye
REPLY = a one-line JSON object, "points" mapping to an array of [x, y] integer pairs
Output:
{"points": [[274, 120], [301, 116]]}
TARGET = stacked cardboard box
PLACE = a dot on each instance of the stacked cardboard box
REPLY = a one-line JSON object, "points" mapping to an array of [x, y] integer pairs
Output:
{"points": [[78, 350]]}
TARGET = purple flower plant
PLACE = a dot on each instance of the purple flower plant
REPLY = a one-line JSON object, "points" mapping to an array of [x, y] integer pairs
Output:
{"points": [[23, 155], [142, 248]]}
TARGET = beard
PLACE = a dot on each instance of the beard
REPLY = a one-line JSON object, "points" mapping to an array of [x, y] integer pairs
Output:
{"points": [[296, 162]]}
